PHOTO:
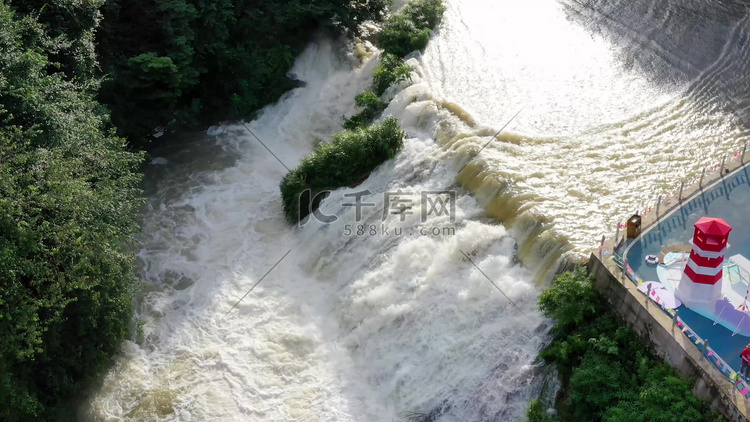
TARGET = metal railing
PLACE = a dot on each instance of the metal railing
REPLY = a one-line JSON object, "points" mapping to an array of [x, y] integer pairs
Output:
{"points": [[677, 193]]}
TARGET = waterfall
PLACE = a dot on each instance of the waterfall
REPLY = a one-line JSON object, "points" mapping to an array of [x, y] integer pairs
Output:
{"points": [[369, 317]]}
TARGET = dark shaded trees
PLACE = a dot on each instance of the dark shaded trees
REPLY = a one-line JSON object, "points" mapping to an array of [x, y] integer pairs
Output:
{"points": [[177, 63], [68, 204]]}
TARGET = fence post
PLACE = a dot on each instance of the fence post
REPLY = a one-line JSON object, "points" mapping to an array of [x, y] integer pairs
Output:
{"points": [[700, 183], [682, 185], [744, 148], [617, 236], [705, 348], [658, 204], [721, 170]]}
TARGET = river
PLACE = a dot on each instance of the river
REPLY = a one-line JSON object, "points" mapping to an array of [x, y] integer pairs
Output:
{"points": [[618, 100]]}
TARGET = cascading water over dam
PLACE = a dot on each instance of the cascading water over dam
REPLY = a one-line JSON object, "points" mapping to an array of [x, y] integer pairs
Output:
{"points": [[621, 100]]}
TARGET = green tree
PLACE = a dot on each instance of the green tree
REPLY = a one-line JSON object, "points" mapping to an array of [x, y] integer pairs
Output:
{"points": [[70, 26], [571, 300], [663, 397], [227, 56], [68, 204], [607, 373], [598, 383]]}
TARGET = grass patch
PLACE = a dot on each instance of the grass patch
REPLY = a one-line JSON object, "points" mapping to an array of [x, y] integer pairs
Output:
{"points": [[345, 161], [607, 373], [409, 30]]}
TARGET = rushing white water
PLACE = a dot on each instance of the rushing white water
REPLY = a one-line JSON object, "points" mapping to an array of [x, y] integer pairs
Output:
{"points": [[614, 113], [619, 104]]}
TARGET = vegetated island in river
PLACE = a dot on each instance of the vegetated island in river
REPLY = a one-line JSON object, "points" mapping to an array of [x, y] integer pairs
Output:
{"points": [[79, 78]]}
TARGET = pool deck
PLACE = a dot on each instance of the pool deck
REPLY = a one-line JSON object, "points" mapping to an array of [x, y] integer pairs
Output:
{"points": [[650, 321]]}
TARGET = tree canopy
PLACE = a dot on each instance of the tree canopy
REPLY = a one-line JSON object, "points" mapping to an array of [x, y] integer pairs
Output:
{"points": [[608, 373], [68, 204], [177, 63]]}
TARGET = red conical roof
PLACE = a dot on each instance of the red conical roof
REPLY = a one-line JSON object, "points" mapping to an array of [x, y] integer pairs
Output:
{"points": [[713, 226]]}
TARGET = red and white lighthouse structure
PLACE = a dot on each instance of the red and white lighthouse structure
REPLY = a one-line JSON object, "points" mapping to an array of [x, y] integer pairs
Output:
{"points": [[701, 283]]}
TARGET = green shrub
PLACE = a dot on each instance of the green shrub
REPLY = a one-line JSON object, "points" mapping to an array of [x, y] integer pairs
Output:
{"points": [[401, 36], [663, 396], [607, 373], [598, 383], [390, 71], [68, 207], [409, 30], [571, 300], [345, 161], [372, 107], [537, 413]]}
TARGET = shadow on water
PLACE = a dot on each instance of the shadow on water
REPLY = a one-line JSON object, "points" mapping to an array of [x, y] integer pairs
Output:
{"points": [[668, 40], [178, 156], [702, 45], [181, 166]]}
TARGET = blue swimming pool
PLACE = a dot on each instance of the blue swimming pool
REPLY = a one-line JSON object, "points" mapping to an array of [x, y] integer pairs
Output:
{"points": [[728, 198]]}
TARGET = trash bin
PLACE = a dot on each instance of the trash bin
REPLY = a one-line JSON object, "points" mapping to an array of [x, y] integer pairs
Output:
{"points": [[634, 226]]}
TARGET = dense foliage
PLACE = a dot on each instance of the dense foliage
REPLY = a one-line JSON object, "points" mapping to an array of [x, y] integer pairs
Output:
{"points": [[371, 106], [409, 30], [390, 71], [345, 161], [177, 62], [70, 26], [607, 373], [353, 154], [413, 22], [67, 207]]}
